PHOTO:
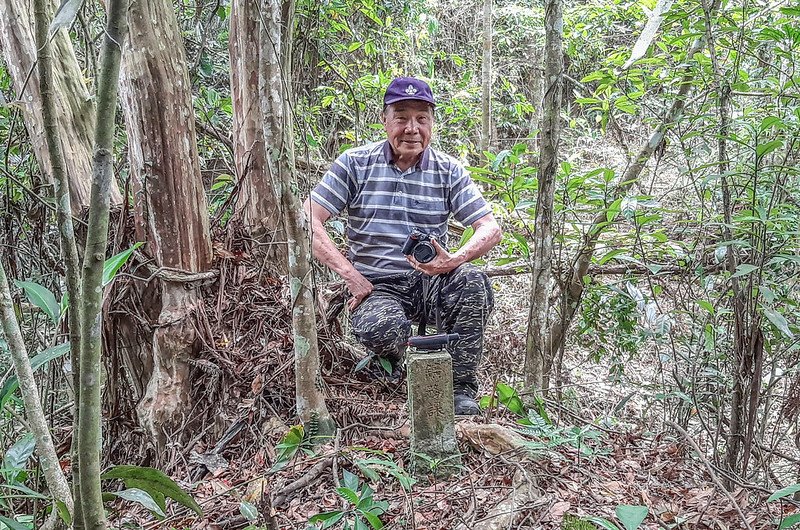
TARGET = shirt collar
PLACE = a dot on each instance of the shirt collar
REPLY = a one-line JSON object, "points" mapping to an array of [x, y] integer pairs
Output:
{"points": [[424, 160]]}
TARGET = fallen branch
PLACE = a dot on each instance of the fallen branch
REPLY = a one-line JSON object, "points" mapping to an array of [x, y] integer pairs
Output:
{"points": [[304, 481]]}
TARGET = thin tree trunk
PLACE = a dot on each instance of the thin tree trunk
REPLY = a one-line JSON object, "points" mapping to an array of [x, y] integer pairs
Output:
{"points": [[65, 228], [171, 214], [89, 432], [48, 459], [571, 296], [257, 203], [274, 73], [74, 104], [539, 352], [486, 97]]}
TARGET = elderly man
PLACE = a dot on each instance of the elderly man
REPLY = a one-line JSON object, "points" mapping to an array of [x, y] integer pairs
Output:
{"points": [[391, 189]]}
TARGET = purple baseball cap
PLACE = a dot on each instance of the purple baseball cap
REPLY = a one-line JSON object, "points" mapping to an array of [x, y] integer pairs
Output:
{"points": [[405, 88]]}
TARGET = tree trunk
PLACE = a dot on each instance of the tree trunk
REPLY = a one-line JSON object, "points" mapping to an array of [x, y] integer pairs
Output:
{"points": [[257, 203], [539, 352], [48, 459], [89, 432], [171, 214], [74, 104], [66, 230], [275, 96], [486, 96]]}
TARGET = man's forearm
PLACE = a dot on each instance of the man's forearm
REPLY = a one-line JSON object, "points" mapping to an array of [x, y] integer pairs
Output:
{"points": [[485, 237], [326, 252]]}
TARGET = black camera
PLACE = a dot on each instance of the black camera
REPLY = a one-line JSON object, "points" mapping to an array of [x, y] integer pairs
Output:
{"points": [[419, 246]]}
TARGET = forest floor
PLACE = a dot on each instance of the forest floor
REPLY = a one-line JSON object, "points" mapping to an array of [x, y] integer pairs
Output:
{"points": [[600, 451], [611, 441]]}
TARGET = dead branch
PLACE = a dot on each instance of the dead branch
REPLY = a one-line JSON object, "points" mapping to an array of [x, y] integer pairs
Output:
{"points": [[306, 480]]}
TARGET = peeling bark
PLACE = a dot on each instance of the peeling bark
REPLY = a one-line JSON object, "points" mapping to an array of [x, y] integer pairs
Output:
{"points": [[74, 104], [170, 210], [257, 204]]}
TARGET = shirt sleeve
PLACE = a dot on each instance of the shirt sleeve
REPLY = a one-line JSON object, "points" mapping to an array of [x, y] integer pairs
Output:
{"points": [[466, 201], [337, 187]]}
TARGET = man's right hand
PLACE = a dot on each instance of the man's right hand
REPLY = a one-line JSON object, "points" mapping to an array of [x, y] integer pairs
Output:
{"points": [[359, 288]]}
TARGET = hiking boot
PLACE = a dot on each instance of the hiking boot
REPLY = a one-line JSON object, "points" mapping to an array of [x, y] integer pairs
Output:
{"points": [[465, 405]]}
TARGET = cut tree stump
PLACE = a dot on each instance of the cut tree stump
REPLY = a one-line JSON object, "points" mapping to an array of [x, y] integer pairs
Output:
{"points": [[434, 450]]}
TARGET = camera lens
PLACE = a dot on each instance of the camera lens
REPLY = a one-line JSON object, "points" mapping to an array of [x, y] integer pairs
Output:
{"points": [[424, 252]]}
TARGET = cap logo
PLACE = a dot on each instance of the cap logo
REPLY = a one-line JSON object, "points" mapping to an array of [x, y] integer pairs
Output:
{"points": [[410, 90]]}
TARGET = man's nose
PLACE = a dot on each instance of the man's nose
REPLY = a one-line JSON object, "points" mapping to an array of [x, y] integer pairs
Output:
{"points": [[412, 125]]}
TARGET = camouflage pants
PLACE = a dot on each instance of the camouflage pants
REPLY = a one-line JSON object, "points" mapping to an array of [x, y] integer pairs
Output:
{"points": [[383, 321]]}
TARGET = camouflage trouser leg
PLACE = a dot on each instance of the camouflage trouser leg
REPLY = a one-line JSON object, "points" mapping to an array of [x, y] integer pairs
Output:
{"points": [[466, 300], [383, 321]]}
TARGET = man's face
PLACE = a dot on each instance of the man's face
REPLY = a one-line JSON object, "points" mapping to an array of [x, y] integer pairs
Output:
{"points": [[408, 126]]}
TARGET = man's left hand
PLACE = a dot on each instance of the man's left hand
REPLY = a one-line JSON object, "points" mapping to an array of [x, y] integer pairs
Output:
{"points": [[443, 263]]}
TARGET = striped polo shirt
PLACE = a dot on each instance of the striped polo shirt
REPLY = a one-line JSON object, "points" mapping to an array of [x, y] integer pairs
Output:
{"points": [[385, 204]]}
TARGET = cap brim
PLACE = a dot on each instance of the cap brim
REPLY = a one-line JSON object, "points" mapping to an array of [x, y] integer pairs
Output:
{"points": [[409, 98]]}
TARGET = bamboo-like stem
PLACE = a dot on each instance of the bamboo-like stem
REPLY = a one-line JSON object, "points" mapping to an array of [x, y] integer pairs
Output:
{"points": [[66, 230], [48, 459], [89, 432]]}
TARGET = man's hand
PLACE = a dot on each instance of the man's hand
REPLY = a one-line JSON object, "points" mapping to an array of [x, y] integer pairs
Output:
{"points": [[443, 263], [359, 288]]}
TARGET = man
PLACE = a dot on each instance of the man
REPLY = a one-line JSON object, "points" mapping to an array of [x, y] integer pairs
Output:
{"points": [[390, 189]]}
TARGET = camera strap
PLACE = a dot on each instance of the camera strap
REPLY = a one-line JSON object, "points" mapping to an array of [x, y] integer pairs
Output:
{"points": [[429, 283]]}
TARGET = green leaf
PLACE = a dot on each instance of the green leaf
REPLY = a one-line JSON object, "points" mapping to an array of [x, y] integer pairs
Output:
{"points": [[289, 446], [41, 297], [790, 521], [12, 524], [631, 516], [248, 511], [779, 321], [743, 269], [18, 454], [363, 362], [608, 256], [348, 494], [373, 520], [39, 360], [368, 472], [141, 497], [26, 491], [153, 481], [613, 210], [63, 513], [785, 492], [767, 148], [706, 305], [113, 264], [386, 364], [604, 523], [350, 480], [328, 518]]}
